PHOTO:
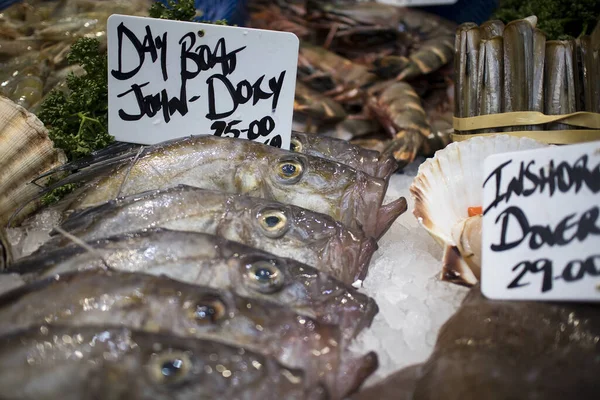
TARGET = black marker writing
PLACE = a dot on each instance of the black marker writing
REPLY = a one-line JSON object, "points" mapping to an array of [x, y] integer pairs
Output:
{"points": [[204, 59], [540, 235], [150, 105], [194, 59], [573, 271], [256, 129], [562, 178], [241, 93], [149, 45]]}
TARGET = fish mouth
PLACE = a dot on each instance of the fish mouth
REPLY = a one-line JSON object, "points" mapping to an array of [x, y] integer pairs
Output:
{"points": [[388, 214], [367, 248], [367, 203], [386, 166], [363, 202], [354, 321], [354, 372]]}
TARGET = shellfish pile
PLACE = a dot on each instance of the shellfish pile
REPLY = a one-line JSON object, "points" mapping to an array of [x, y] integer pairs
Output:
{"points": [[374, 74]]}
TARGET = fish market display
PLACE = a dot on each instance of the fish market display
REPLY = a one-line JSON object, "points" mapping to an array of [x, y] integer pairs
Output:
{"points": [[214, 267], [208, 260], [77, 363], [285, 230], [506, 350], [448, 200], [159, 304], [241, 166]]}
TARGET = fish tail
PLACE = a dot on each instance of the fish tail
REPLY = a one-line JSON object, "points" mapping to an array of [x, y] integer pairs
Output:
{"points": [[367, 248], [358, 370], [387, 165]]}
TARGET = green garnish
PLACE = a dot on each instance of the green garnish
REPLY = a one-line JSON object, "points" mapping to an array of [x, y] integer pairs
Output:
{"points": [[182, 10], [77, 121], [558, 19]]}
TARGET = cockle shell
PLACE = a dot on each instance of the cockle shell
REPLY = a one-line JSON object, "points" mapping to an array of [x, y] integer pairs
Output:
{"points": [[26, 152], [444, 189]]}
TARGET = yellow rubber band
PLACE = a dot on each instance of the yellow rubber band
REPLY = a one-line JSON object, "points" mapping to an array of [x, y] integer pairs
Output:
{"points": [[551, 137], [582, 119]]}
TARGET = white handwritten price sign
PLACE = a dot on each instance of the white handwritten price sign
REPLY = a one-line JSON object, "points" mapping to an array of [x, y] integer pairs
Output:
{"points": [[169, 79], [541, 224]]}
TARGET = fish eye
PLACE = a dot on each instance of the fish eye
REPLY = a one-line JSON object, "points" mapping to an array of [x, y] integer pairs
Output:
{"points": [[170, 367], [273, 222], [290, 171], [296, 146], [207, 311], [264, 276]]}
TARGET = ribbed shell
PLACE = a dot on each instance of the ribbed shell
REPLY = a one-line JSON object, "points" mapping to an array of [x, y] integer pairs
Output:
{"points": [[26, 152], [447, 185]]}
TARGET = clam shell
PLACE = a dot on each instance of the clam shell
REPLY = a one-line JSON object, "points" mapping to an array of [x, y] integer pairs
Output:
{"points": [[26, 152], [443, 190]]}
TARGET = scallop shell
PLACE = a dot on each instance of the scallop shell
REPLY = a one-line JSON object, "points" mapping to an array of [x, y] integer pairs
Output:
{"points": [[26, 152], [443, 190]]}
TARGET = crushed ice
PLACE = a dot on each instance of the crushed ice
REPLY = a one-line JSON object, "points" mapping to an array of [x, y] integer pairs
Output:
{"points": [[403, 279]]}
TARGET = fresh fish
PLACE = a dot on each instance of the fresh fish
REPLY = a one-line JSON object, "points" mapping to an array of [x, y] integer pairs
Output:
{"points": [[90, 363], [244, 167], [368, 161], [208, 260], [501, 350], [287, 231], [160, 304]]}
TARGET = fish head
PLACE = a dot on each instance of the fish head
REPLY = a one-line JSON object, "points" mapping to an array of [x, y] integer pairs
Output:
{"points": [[368, 161], [347, 195], [288, 231], [314, 238], [364, 200], [338, 303], [269, 277], [162, 366], [256, 322], [310, 182], [308, 290]]}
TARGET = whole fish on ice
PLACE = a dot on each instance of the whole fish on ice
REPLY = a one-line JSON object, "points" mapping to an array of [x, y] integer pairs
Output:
{"points": [[244, 167], [287, 231], [209, 260], [96, 362]]}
